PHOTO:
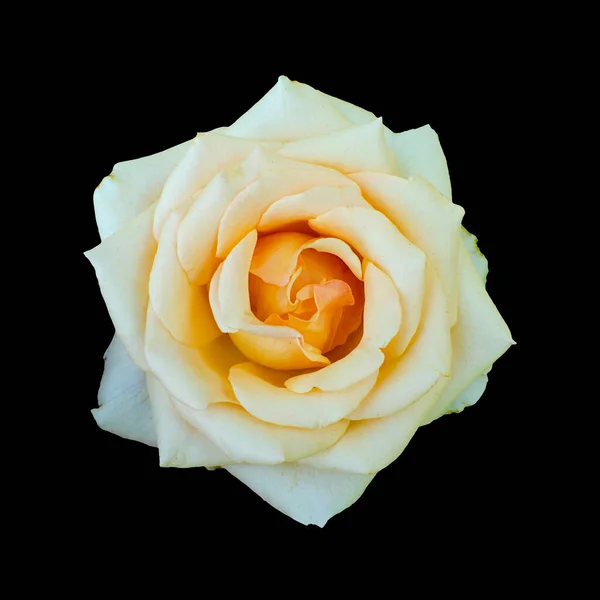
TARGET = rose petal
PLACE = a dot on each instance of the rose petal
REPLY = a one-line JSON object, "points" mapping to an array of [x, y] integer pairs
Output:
{"points": [[197, 236], [379, 240], [372, 444], [208, 154], [261, 393], [269, 345], [289, 111], [479, 337], [123, 398], [194, 376], [123, 263], [180, 444], [183, 308], [418, 152], [308, 205], [424, 217], [473, 392], [356, 148], [275, 256], [233, 305], [349, 111], [246, 210], [132, 187], [247, 439], [340, 249], [381, 321], [309, 496], [479, 261], [278, 353], [467, 397], [403, 381]]}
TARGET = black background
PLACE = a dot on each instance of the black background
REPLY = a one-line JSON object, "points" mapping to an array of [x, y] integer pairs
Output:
{"points": [[463, 477]]}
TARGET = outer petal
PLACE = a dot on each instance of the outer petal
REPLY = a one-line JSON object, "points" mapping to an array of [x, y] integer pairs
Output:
{"points": [[195, 376], [182, 306], [357, 148], [289, 111], [403, 381], [132, 187], [349, 111], [123, 398], [479, 337], [179, 444], [473, 392], [382, 317], [379, 240], [246, 439], [308, 205], [309, 496], [469, 396], [208, 154], [245, 212], [262, 394], [418, 152], [479, 260], [123, 263], [425, 217], [371, 445]]}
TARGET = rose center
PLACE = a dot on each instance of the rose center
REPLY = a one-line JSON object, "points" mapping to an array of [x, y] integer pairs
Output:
{"points": [[314, 292]]}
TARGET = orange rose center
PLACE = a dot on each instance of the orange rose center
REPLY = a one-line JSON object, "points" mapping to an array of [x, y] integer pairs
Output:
{"points": [[313, 292]]}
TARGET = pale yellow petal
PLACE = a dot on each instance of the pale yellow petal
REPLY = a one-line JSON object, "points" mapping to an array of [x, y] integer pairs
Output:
{"points": [[262, 394], [378, 240], [247, 439], [233, 294], [277, 352], [418, 152], [183, 307], [180, 444], [353, 113], [269, 345], [246, 210], [208, 154], [289, 111], [479, 260], [403, 381], [197, 236], [340, 249], [356, 148], [479, 337], [309, 496], [275, 256], [372, 444], [425, 218], [132, 187], [381, 321], [194, 376], [308, 205], [215, 305], [124, 408], [123, 263]]}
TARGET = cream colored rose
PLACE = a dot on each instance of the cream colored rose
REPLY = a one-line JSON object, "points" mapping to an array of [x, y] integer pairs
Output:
{"points": [[293, 296]]}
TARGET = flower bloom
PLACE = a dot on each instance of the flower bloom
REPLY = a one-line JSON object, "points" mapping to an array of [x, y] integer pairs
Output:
{"points": [[293, 296]]}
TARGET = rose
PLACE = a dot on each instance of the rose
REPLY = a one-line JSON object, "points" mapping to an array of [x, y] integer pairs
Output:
{"points": [[293, 296]]}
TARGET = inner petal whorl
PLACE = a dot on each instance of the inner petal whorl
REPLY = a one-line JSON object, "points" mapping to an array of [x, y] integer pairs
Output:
{"points": [[314, 292]]}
